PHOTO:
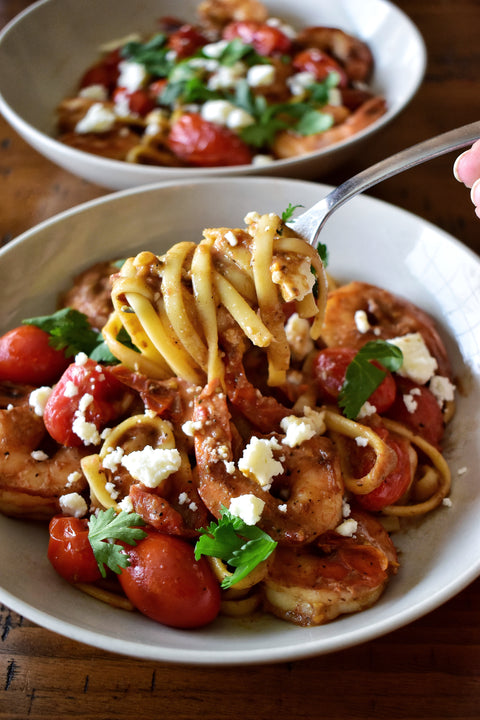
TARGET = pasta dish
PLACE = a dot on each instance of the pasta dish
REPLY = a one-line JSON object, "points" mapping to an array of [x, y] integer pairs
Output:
{"points": [[224, 429], [236, 87]]}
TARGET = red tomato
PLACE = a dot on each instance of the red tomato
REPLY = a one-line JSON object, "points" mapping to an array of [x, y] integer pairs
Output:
{"points": [[330, 366], [103, 73], [202, 143], [108, 402], [69, 549], [27, 357], [319, 64], [185, 41], [140, 102], [425, 415], [166, 583], [395, 484], [265, 39]]}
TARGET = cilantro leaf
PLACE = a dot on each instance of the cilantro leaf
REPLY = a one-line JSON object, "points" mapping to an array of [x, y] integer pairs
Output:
{"points": [[363, 378], [323, 252], [153, 55], [313, 122], [237, 50], [108, 526], [69, 331], [288, 212], [239, 545]]}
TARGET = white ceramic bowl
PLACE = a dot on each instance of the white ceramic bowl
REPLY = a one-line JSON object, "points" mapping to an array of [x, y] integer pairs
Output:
{"points": [[44, 51], [398, 251]]}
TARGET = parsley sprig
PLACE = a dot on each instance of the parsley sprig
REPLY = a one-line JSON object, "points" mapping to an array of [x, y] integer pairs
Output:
{"points": [[69, 331], [241, 546], [153, 55], [363, 377], [107, 527]]}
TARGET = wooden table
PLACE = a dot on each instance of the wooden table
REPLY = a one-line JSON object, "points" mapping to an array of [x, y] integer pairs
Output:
{"points": [[429, 669]]}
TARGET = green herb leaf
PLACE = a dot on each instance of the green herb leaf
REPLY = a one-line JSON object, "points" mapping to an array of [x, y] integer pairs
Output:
{"points": [[323, 252], [288, 212], [237, 50], [313, 122], [239, 545], [107, 527], [152, 54], [69, 331], [363, 378]]}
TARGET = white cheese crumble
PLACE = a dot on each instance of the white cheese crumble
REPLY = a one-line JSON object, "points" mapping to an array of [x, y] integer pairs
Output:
{"points": [[190, 426], [39, 455], [38, 399], [226, 76], [214, 50], [417, 364], [259, 75], [299, 429], [410, 403], [248, 507], [262, 160], [257, 461], [133, 75], [73, 477], [98, 118], [73, 504], [231, 238], [151, 466], [126, 504], [299, 82], [297, 331], [70, 389], [347, 528], [94, 92], [113, 458], [366, 410], [361, 321], [81, 358], [361, 441], [442, 389], [447, 502]]}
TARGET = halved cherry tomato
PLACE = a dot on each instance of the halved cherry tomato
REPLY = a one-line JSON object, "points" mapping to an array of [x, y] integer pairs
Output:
{"points": [[265, 39], [319, 64], [203, 143], [69, 549], [27, 357], [185, 41], [330, 366], [108, 401], [422, 415], [166, 583], [395, 484]]}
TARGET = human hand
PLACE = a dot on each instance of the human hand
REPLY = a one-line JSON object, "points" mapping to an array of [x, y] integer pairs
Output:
{"points": [[467, 170]]}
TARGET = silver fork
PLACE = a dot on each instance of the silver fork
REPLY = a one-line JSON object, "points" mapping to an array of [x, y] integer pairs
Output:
{"points": [[310, 223]]}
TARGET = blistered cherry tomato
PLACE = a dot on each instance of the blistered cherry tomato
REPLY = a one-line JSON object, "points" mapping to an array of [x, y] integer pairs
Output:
{"points": [[27, 357], [103, 73], [397, 481], [185, 41], [69, 549], [86, 393], [166, 583], [330, 366], [265, 39], [203, 143], [319, 64], [417, 408]]}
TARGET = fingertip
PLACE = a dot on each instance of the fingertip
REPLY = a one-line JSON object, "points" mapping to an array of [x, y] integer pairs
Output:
{"points": [[456, 164]]}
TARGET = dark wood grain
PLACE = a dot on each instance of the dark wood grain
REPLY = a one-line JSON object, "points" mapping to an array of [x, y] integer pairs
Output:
{"points": [[427, 670]]}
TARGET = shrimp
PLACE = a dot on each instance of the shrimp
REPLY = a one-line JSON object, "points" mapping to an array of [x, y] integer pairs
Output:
{"points": [[388, 316], [306, 497], [289, 143], [218, 13], [32, 475], [337, 575], [351, 52], [91, 293]]}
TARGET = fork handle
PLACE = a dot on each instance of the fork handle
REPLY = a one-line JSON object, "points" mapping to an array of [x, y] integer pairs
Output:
{"points": [[403, 160]]}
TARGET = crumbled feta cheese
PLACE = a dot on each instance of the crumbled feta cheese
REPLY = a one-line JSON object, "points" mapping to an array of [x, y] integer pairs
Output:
{"points": [[73, 477], [248, 507], [190, 426], [182, 498], [283, 508], [70, 389], [81, 358], [86, 431], [231, 238], [229, 466], [258, 463], [111, 490], [367, 409], [73, 504], [361, 321], [39, 455], [126, 504], [133, 75], [259, 75], [361, 441], [442, 388], [417, 364], [262, 160], [94, 92], [410, 403], [462, 471], [299, 429], [297, 331], [286, 29], [151, 466], [217, 111], [227, 76], [300, 81], [193, 506], [38, 399], [347, 528], [113, 458], [239, 118], [346, 509], [214, 50], [447, 502], [98, 118], [209, 65]]}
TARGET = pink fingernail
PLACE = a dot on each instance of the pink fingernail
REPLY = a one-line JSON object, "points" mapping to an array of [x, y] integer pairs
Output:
{"points": [[455, 166]]}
